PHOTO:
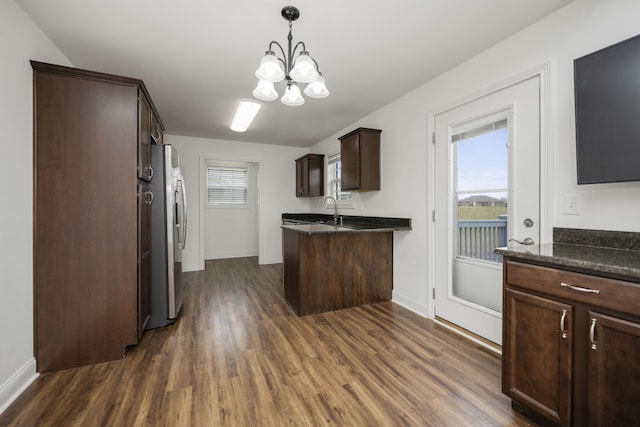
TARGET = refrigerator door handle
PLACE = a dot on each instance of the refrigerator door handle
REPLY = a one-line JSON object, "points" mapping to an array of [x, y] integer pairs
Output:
{"points": [[182, 236]]}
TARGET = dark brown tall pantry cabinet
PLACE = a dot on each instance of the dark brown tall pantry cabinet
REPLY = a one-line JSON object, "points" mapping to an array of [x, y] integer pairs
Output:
{"points": [[91, 225]]}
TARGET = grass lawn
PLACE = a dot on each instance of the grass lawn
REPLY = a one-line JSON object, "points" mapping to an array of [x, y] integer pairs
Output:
{"points": [[481, 212]]}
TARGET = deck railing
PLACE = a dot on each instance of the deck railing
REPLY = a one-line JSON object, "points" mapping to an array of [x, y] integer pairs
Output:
{"points": [[478, 238]]}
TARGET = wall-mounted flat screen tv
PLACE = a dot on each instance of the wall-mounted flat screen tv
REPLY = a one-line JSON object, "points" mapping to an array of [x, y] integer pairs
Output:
{"points": [[607, 103]]}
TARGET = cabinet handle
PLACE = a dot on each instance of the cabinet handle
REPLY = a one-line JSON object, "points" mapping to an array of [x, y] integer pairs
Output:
{"points": [[149, 197], [563, 327], [580, 289], [592, 335], [150, 172]]}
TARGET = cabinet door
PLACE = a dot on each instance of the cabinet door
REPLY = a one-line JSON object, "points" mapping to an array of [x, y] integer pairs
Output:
{"points": [[291, 268], [156, 129], [304, 177], [310, 175], [350, 159], [315, 175], [145, 198], [145, 171], [299, 178], [536, 354], [614, 377]]}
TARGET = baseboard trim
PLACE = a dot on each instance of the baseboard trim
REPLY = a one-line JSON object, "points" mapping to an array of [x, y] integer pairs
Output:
{"points": [[19, 381], [218, 255], [419, 309], [489, 345], [188, 268]]}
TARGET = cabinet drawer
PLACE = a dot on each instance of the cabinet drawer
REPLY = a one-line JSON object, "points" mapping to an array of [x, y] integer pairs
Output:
{"points": [[597, 291]]}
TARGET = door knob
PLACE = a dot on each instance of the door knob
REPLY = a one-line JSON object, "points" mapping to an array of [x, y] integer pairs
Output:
{"points": [[527, 241]]}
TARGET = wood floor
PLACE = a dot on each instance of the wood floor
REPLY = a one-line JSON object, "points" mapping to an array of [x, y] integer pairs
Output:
{"points": [[238, 356]]}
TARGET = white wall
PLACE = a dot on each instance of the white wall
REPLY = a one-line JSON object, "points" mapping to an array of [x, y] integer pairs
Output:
{"points": [[232, 231], [20, 41], [581, 27], [276, 190]]}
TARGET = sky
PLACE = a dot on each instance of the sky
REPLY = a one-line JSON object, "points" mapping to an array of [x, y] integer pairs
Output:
{"points": [[483, 164]]}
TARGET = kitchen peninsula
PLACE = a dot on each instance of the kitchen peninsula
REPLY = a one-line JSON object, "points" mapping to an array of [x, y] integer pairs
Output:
{"points": [[329, 266]]}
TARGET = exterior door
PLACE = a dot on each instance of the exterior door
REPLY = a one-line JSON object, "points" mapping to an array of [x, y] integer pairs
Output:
{"points": [[487, 180]]}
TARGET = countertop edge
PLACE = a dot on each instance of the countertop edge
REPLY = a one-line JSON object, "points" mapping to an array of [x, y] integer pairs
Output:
{"points": [[561, 261], [325, 229]]}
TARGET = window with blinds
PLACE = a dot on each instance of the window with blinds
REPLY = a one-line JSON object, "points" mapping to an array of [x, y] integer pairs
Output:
{"points": [[335, 178], [227, 186]]}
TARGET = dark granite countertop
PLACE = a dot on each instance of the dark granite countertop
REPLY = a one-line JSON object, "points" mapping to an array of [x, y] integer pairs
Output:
{"points": [[617, 262], [322, 223], [612, 254]]}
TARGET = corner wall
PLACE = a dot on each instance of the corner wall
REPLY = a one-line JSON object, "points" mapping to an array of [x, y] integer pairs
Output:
{"points": [[581, 27], [20, 41]]}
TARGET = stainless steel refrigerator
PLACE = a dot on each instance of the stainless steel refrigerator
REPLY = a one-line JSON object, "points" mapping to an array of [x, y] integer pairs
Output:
{"points": [[168, 236]]}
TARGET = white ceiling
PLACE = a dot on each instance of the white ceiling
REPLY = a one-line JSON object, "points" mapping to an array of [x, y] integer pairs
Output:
{"points": [[198, 57]]}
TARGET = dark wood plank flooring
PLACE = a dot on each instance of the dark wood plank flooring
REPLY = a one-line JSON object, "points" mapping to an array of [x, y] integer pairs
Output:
{"points": [[238, 356]]}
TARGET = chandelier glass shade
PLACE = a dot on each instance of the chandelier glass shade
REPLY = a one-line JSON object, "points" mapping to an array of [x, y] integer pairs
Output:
{"points": [[294, 69], [292, 96], [265, 91]]}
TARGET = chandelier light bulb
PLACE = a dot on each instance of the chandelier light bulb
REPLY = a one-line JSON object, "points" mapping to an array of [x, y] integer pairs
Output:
{"points": [[292, 96], [265, 91], [317, 88], [304, 70], [270, 68]]}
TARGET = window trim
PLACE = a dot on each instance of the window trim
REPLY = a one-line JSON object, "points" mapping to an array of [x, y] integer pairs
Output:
{"points": [[342, 204]]}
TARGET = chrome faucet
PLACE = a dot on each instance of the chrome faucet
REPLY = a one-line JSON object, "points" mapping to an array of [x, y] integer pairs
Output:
{"points": [[335, 209]]}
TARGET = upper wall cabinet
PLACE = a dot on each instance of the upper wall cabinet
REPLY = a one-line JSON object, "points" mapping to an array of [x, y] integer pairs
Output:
{"points": [[360, 157], [150, 132], [156, 129], [145, 171], [310, 176]]}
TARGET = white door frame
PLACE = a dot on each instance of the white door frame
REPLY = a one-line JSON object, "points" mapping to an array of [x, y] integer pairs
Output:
{"points": [[546, 171], [201, 199]]}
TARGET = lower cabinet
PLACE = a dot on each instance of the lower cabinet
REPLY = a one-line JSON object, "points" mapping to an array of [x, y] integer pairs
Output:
{"points": [[570, 343], [614, 374], [537, 354]]}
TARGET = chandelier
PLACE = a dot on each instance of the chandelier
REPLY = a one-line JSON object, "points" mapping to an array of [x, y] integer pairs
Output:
{"points": [[295, 70]]}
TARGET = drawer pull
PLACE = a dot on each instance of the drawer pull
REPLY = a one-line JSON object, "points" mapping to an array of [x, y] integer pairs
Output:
{"points": [[592, 335], [563, 327], [580, 289]]}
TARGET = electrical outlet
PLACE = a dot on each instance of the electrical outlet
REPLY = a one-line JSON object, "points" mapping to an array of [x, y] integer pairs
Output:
{"points": [[571, 205]]}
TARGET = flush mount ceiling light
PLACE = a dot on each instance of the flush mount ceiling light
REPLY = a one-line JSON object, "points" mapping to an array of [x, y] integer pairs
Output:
{"points": [[295, 70], [245, 113]]}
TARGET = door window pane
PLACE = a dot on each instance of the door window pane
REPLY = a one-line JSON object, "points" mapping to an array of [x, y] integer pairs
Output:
{"points": [[481, 186]]}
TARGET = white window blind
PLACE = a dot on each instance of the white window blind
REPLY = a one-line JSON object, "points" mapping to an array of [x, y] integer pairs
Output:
{"points": [[335, 178], [226, 186]]}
